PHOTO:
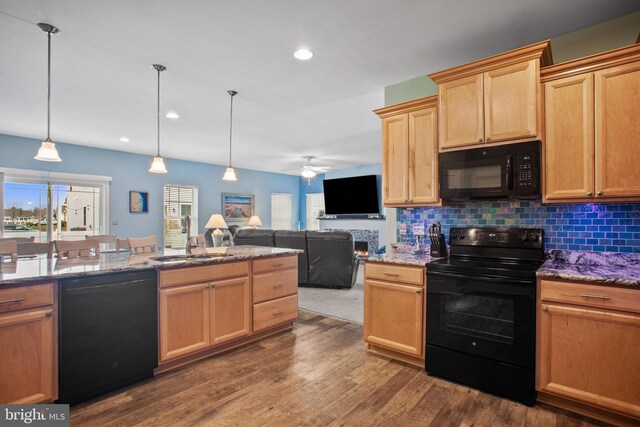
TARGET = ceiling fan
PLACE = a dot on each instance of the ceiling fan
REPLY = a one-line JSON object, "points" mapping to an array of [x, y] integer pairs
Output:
{"points": [[308, 170]]}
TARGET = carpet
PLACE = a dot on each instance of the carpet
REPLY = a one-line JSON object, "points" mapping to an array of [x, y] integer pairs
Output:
{"points": [[345, 304]]}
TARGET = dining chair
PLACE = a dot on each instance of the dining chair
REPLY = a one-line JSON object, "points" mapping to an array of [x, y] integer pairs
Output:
{"points": [[31, 248], [104, 239], [18, 239], [89, 248], [122, 245], [143, 244], [8, 249]]}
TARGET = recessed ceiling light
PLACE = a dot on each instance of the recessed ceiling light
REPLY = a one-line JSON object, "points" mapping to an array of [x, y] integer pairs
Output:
{"points": [[172, 115], [303, 54], [125, 139]]}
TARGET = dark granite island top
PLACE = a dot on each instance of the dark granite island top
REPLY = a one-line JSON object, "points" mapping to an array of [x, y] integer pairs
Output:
{"points": [[609, 268], [39, 268]]}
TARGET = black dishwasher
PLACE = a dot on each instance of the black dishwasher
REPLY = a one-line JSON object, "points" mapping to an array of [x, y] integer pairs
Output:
{"points": [[108, 333]]}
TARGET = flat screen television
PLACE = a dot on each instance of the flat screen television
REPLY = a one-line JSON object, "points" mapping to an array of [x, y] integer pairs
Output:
{"points": [[356, 195]]}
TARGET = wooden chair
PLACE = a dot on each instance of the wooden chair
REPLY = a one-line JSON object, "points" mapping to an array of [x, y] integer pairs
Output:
{"points": [[198, 241], [89, 248], [29, 248], [8, 249], [122, 245], [104, 239], [18, 239], [143, 244]]}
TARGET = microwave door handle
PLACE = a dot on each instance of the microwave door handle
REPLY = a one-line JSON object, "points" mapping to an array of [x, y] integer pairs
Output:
{"points": [[508, 181]]}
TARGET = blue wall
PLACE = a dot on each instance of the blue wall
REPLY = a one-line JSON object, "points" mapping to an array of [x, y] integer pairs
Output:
{"points": [[129, 172], [308, 187], [581, 227]]}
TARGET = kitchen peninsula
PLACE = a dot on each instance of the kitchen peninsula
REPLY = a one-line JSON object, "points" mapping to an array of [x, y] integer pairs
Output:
{"points": [[163, 309]]}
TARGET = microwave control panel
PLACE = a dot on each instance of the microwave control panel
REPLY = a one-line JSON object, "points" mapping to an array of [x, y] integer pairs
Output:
{"points": [[527, 174]]}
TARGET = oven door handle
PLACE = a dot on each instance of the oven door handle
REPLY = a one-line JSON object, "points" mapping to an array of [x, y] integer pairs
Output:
{"points": [[483, 278]]}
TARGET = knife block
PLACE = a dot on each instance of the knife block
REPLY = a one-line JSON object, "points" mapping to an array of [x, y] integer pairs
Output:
{"points": [[439, 250]]}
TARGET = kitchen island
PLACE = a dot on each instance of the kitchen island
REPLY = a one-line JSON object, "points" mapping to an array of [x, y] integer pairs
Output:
{"points": [[200, 304]]}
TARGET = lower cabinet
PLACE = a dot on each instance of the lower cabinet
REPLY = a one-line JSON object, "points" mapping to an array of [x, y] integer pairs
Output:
{"points": [[589, 347], [28, 351], [230, 302], [394, 310]]}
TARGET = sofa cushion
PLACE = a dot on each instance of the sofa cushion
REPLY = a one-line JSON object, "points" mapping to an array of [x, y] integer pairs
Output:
{"points": [[254, 236]]}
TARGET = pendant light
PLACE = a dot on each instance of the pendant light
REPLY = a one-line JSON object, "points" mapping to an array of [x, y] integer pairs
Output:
{"points": [[157, 166], [47, 151], [229, 173]]}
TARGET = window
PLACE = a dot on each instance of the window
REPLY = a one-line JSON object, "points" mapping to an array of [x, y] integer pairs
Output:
{"points": [[281, 215], [53, 206], [315, 204], [179, 201]]}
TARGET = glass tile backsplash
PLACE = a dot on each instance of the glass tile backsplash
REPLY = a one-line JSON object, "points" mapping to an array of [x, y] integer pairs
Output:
{"points": [[611, 227]]}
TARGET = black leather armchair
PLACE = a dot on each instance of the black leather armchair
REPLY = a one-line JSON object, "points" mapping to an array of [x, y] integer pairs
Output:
{"points": [[295, 240], [251, 236], [332, 260]]}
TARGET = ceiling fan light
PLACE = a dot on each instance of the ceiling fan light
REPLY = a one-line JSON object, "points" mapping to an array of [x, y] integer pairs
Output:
{"points": [[229, 175], [48, 152], [158, 166], [308, 173]]}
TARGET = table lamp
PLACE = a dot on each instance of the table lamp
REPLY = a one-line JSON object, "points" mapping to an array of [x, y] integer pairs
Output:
{"points": [[217, 222], [254, 221]]}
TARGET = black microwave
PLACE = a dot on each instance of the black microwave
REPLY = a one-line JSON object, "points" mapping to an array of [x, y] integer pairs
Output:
{"points": [[503, 171]]}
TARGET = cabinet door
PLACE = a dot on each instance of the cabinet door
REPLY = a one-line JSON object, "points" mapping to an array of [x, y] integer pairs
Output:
{"points": [[27, 357], [461, 115], [395, 159], [569, 144], [393, 316], [184, 320], [590, 355], [617, 104], [423, 156], [230, 302], [511, 102]]}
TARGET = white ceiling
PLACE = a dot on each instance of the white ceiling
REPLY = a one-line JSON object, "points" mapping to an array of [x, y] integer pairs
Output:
{"points": [[103, 87]]}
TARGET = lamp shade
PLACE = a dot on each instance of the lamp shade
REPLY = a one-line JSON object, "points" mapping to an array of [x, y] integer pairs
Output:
{"points": [[157, 166], [255, 221], [48, 152], [229, 174], [216, 221]]}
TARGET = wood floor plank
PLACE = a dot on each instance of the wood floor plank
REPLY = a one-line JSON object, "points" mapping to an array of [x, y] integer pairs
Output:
{"points": [[319, 374]]}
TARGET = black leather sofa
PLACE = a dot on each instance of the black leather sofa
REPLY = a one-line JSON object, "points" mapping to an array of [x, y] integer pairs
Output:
{"points": [[328, 261]]}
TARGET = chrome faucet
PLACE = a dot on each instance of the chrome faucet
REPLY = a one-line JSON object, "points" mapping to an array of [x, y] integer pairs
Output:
{"points": [[186, 228]]}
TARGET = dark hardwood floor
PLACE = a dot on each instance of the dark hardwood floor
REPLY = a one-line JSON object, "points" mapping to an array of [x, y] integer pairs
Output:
{"points": [[320, 374]]}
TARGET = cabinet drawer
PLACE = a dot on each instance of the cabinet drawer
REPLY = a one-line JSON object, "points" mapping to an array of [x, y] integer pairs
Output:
{"points": [[276, 263], [205, 273], [395, 273], [274, 312], [274, 284], [21, 297], [590, 295]]}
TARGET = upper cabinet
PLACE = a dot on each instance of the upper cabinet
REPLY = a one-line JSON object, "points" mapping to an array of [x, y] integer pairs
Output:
{"points": [[492, 100], [410, 153], [591, 128]]}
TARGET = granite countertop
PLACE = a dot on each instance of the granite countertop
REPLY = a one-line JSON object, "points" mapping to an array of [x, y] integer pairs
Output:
{"points": [[603, 267], [39, 268], [406, 258]]}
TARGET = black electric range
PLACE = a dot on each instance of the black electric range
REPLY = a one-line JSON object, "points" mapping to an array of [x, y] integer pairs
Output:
{"points": [[481, 310]]}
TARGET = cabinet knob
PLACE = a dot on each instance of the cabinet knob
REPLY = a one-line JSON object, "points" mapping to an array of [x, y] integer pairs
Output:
{"points": [[480, 140], [545, 308], [487, 139], [48, 314], [589, 194], [418, 291], [277, 313], [599, 193]]}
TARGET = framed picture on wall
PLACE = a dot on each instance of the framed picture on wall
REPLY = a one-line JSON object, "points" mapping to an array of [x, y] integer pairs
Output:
{"points": [[238, 207], [138, 202]]}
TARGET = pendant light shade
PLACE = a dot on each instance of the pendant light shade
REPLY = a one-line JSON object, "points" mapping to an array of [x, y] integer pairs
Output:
{"points": [[157, 165], [47, 151], [229, 173]]}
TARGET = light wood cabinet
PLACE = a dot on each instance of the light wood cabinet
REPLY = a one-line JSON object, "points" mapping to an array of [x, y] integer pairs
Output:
{"points": [[493, 100], [28, 344], [591, 145], [184, 320], [394, 311], [230, 302], [588, 348], [410, 153]]}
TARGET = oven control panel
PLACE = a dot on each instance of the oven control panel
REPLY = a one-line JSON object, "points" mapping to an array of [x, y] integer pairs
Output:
{"points": [[499, 237]]}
